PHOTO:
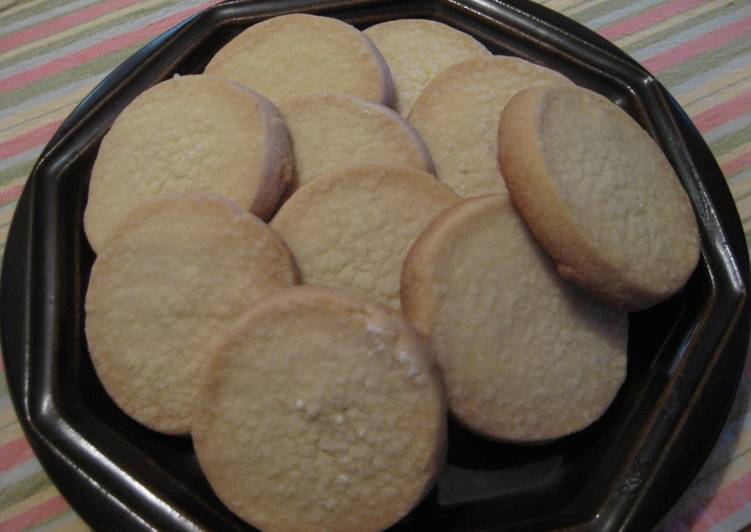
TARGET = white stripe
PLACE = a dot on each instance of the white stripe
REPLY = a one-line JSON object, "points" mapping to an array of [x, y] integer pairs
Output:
{"points": [[18, 473], [618, 14], [711, 75], [690, 33], [46, 15], [51, 95], [728, 128], [97, 38], [737, 521]]}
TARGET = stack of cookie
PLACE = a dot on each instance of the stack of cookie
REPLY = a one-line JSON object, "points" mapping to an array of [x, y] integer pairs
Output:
{"points": [[469, 230]]}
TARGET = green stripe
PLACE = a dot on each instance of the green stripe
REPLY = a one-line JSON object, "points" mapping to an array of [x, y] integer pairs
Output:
{"points": [[57, 520], [23, 489], [13, 434], [741, 197], [711, 95], [14, 172], [32, 11], [741, 176], [87, 32], [3, 383], [689, 68], [719, 10], [39, 116], [731, 142], [13, 422], [99, 66]]}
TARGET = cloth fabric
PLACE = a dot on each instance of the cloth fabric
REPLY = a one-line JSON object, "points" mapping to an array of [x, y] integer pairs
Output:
{"points": [[53, 52]]}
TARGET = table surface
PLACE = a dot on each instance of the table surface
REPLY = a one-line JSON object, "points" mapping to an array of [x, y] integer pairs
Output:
{"points": [[53, 52]]}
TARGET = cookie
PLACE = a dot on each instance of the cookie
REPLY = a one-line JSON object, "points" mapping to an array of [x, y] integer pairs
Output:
{"points": [[184, 135], [525, 355], [604, 202], [174, 274], [329, 131], [321, 411], [352, 228], [416, 50], [457, 115], [295, 55]]}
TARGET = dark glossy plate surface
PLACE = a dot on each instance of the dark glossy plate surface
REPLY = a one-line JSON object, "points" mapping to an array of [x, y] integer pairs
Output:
{"points": [[623, 473]]}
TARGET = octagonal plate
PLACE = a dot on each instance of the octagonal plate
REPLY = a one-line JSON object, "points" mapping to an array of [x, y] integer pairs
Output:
{"points": [[623, 473]]}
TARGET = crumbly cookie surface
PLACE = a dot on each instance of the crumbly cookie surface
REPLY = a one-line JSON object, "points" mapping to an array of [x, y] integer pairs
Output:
{"points": [[329, 131], [189, 134], [417, 50], [321, 411], [295, 55], [525, 355], [352, 228], [604, 202], [457, 115], [177, 272]]}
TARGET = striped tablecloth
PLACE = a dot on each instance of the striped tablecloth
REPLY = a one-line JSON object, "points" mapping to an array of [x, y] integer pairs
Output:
{"points": [[53, 52]]}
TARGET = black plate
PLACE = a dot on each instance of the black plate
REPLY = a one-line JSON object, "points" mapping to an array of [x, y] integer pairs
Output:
{"points": [[623, 473]]}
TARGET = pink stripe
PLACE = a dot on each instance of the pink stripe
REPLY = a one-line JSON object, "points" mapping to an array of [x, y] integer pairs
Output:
{"points": [[8, 196], [14, 452], [719, 114], [86, 55], [647, 18], [34, 515], [723, 504], [57, 25], [734, 166], [28, 140], [709, 41]]}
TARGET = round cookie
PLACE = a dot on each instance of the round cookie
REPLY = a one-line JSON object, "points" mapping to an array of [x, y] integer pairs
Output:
{"points": [[457, 115], [329, 131], [294, 55], [416, 50], [352, 228], [184, 135], [525, 356], [321, 411], [604, 202], [174, 274]]}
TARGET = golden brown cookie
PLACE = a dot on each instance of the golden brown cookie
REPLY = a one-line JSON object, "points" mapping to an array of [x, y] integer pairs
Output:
{"points": [[457, 116], [321, 411], [599, 195], [416, 50], [295, 55], [352, 228], [189, 134], [177, 272], [329, 131], [525, 355]]}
